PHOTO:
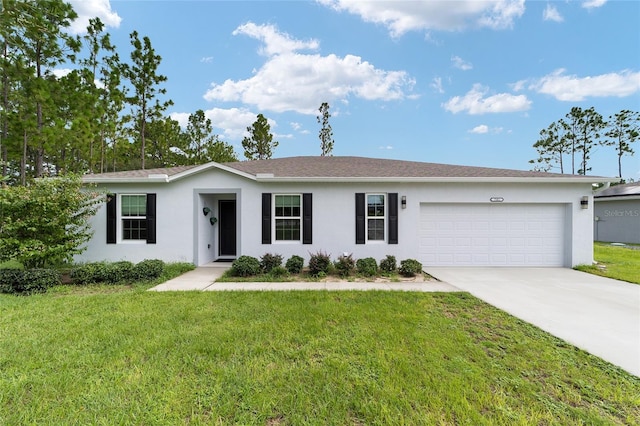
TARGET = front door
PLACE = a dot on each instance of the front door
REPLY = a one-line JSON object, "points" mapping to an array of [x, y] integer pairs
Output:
{"points": [[227, 228]]}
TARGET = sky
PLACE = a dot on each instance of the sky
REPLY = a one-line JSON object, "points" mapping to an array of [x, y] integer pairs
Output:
{"points": [[455, 82]]}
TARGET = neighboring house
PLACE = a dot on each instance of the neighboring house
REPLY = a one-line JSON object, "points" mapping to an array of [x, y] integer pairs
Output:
{"points": [[438, 214], [617, 214]]}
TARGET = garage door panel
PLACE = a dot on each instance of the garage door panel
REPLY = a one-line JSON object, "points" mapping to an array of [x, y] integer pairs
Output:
{"points": [[493, 234]]}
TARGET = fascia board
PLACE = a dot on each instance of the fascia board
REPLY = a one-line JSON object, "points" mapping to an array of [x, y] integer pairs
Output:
{"points": [[574, 180], [605, 198]]}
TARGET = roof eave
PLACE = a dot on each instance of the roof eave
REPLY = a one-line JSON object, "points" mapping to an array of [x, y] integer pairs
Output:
{"points": [[576, 180]]}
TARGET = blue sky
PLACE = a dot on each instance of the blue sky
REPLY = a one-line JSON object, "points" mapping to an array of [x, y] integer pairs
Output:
{"points": [[456, 82]]}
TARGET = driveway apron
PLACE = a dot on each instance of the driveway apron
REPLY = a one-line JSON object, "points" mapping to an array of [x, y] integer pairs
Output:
{"points": [[599, 315]]}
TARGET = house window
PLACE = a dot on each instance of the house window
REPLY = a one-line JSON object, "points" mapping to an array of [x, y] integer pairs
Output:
{"points": [[375, 217], [133, 216], [287, 217]]}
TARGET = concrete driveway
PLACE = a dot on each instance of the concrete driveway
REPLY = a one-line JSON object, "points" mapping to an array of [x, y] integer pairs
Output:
{"points": [[599, 315]]}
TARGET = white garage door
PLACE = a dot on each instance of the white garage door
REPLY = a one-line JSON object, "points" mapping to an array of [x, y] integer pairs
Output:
{"points": [[492, 234]]}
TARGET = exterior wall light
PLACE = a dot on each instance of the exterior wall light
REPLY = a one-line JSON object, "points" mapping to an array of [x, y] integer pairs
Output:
{"points": [[584, 203], [206, 211], [403, 201]]}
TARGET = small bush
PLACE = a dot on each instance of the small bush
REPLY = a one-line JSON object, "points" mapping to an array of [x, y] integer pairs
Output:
{"points": [[270, 261], [245, 266], [88, 273], [148, 269], [345, 265], [367, 267], [410, 268], [388, 264], [319, 263], [278, 272], [295, 264], [118, 271], [16, 281]]}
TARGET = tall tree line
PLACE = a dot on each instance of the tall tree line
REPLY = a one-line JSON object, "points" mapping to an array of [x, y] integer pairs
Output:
{"points": [[567, 144], [107, 114]]}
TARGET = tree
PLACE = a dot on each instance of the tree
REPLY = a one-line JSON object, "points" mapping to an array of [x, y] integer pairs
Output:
{"points": [[204, 146], [45, 222], [623, 131], [551, 148], [142, 74], [325, 134], [260, 144], [583, 131]]}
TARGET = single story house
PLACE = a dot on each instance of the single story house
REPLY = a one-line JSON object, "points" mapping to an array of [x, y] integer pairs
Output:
{"points": [[617, 214], [438, 214]]}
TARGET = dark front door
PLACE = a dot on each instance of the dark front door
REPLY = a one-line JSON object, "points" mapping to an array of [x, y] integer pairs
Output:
{"points": [[227, 228]]}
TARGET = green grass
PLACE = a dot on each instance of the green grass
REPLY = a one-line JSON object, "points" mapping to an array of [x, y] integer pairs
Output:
{"points": [[294, 358], [619, 262]]}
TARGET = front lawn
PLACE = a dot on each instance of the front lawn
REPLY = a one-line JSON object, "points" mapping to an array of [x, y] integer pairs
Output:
{"points": [[619, 262], [281, 358]]}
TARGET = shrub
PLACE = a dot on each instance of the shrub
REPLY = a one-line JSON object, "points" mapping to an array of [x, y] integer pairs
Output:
{"points": [[295, 264], [88, 273], [388, 264], [367, 266], [11, 264], [270, 261], [278, 272], [345, 265], [148, 269], [15, 281], [118, 271], [245, 266], [319, 264], [410, 268]]}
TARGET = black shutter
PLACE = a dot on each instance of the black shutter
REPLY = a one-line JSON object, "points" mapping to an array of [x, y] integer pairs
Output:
{"points": [[307, 234], [360, 218], [151, 218], [112, 214], [266, 218], [393, 218]]}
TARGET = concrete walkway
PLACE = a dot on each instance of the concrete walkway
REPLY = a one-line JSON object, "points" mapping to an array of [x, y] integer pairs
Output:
{"points": [[203, 278], [597, 314]]}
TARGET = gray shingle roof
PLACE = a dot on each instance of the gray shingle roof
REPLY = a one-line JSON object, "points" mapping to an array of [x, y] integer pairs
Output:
{"points": [[169, 171], [361, 167], [319, 168], [625, 190]]}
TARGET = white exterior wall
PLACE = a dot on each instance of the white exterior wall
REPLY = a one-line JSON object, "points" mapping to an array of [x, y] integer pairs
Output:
{"points": [[334, 215], [184, 233]]}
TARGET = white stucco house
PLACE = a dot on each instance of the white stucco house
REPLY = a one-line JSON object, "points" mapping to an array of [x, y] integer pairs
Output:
{"points": [[617, 214], [438, 214]]}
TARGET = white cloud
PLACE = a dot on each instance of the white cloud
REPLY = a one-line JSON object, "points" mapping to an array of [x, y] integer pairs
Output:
{"points": [[230, 123], [275, 42], [573, 88], [481, 129], [292, 81], [475, 103], [401, 17], [61, 72], [387, 147], [460, 63], [206, 59], [550, 13], [591, 4], [87, 9], [181, 117], [295, 126], [436, 84]]}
